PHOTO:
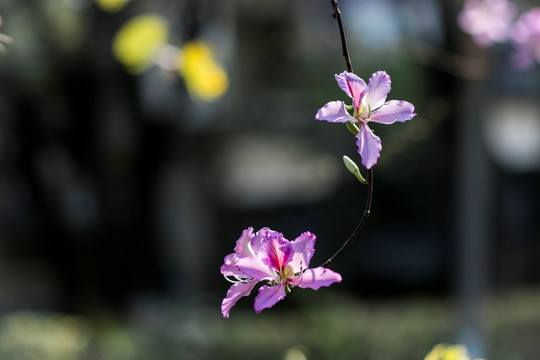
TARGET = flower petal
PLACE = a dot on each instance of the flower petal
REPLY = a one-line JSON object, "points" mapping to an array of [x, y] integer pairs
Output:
{"points": [[304, 247], [254, 267], [229, 266], [334, 112], [276, 251], [317, 277], [243, 244], [369, 146], [269, 296], [353, 86], [259, 236], [392, 111], [378, 89], [235, 292]]}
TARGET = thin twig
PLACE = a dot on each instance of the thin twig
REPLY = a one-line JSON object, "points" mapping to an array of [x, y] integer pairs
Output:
{"points": [[367, 212], [337, 16], [369, 177]]}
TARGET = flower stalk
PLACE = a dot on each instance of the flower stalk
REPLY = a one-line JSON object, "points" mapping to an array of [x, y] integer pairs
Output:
{"points": [[369, 177]]}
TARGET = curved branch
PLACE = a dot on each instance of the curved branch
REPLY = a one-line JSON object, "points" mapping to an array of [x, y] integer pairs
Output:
{"points": [[369, 178], [367, 212]]}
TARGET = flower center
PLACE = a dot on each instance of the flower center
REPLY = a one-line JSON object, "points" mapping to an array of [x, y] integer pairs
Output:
{"points": [[286, 273], [363, 112]]}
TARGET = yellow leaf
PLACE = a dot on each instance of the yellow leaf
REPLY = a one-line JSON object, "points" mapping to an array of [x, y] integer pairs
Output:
{"points": [[138, 40], [448, 352], [436, 352], [456, 352], [111, 6], [205, 78]]}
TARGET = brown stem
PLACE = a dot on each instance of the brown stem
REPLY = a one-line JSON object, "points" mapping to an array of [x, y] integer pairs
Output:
{"points": [[337, 15], [369, 178], [367, 212]]}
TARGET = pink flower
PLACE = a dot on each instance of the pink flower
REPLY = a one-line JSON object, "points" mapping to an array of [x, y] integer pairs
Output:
{"points": [[282, 264], [487, 21], [526, 38], [369, 104]]}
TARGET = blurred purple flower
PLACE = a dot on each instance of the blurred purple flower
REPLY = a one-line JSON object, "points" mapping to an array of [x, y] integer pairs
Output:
{"points": [[526, 38], [369, 104], [268, 256], [487, 21]]}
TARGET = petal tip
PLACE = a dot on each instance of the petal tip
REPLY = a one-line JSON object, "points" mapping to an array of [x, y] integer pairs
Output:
{"points": [[343, 74], [369, 147], [319, 114], [370, 161], [334, 112], [381, 73], [225, 309], [306, 233]]}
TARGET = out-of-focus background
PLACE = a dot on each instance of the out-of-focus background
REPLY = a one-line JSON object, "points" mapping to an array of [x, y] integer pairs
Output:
{"points": [[124, 183]]}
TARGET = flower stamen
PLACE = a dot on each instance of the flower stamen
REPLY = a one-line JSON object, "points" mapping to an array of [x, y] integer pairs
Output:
{"points": [[237, 279]]}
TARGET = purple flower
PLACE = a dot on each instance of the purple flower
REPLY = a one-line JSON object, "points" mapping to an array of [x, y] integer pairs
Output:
{"points": [[282, 264], [369, 104], [487, 21], [526, 38]]}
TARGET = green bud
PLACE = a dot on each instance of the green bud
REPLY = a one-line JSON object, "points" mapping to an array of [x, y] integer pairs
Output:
{"points": [[352, 128], [353, 168], [288, 289], [351, 165]]}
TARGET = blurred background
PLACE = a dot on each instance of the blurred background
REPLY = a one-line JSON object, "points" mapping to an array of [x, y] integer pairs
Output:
{"points": [[134, 154]]}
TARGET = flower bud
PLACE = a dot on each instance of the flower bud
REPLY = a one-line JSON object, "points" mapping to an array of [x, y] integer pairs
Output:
{"points": [[353, 168]]}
